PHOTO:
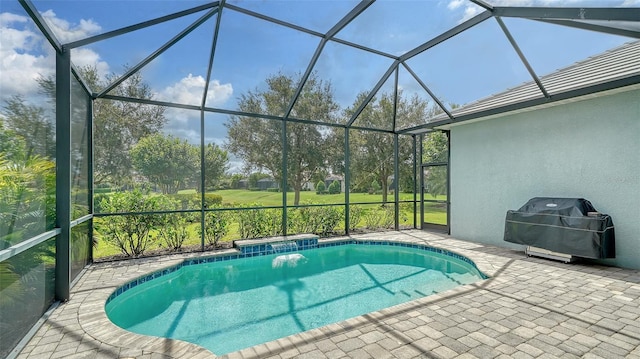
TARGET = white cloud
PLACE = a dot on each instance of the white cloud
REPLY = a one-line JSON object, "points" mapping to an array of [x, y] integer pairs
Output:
{"points": [[26, 56], [454, 4], [66, 31], [630, 3], [82, 57], [22, 57], [189, 91], [7, 18], [470, 11], [466, 9]]}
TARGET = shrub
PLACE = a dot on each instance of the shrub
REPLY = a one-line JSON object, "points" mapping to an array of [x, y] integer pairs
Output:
{"points": [[304, 220], [97, 202], [187, 200], [215, 226], [173, 230], [320, 188], [330, 218], [273, 189], [372, 219], [334, 187], [321, 220], [130, 233], [257, 223], [388, 217], [355, 216], [212, 200]]}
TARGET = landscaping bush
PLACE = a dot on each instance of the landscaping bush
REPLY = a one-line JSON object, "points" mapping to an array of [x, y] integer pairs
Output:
{"points": [[187, 200], [273, 189], [330, 218], [334, 187], [130, 233], [173, 230], [216, 225], [211, 200], [320, 188], [97, 201], [320, 220], [304, 220], [257, 223], [355, 216], [372, 218], [388, 217]]}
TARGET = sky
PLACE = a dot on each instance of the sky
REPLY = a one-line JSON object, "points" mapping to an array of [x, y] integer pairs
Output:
{"points": [[472, 65]]}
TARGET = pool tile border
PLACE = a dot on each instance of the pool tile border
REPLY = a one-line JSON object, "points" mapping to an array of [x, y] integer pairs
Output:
{"points": [[265, 248]]}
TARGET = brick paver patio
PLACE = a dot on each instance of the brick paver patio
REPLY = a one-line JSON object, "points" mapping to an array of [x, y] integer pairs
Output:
{"points": [[529, 308]]}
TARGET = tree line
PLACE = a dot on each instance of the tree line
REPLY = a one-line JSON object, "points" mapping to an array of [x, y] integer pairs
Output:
{"points": [[130, 147]]}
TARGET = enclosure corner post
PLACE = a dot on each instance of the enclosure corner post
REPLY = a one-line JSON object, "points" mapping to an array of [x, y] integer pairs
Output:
{"points": [[396, 182], [202, 182], [347, 181], [90, 177], [415, 181], [421, 174], [284, 177], [63, 175]]}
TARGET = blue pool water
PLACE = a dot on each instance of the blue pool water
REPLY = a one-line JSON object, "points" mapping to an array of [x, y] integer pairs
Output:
{"points": [[230, 305]]}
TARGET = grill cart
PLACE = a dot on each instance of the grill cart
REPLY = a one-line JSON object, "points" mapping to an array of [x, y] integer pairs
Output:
{"points": [[561, 229]]}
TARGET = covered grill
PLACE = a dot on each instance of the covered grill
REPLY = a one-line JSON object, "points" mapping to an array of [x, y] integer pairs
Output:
{"points": [[570, 226]]}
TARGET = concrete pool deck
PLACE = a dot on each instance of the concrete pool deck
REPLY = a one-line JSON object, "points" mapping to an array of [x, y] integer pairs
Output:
{"points": [[529, 308]]}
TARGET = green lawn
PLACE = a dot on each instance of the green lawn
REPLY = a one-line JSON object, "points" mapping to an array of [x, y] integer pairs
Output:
{"points": [[240, 196]]}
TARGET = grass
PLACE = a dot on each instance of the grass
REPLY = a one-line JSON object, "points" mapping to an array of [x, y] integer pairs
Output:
{"points": [[239, 196], [434, 213]]}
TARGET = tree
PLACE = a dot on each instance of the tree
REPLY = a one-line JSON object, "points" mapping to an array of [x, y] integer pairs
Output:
{"points": [[320, 187], [372, 152], [334, 187], [258, 141], [216, 163], [435, 147], [166, 161], [12, 146], [434, 150], [27, 178], [118, 125], [33, 124]]}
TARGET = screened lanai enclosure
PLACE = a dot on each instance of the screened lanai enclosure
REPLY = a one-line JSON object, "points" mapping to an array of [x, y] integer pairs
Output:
{"points": [[137, 127]]}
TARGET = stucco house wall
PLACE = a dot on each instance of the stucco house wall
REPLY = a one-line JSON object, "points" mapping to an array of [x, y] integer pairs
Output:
{"points": [[589, 149]]}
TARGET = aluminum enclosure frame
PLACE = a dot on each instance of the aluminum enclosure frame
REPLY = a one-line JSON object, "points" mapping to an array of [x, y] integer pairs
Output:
{"points": [[581, 18]]}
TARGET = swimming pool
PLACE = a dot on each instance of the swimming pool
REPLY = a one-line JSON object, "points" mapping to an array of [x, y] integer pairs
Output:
{"points": [[226, 304]]}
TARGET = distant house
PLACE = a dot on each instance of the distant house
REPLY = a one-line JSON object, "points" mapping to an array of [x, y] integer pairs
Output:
{"points": [[267, 183], [243, 184], [329, 180]]}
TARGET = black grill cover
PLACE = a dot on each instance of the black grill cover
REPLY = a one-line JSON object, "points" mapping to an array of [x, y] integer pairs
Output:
{"points": [[564, 225]]}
